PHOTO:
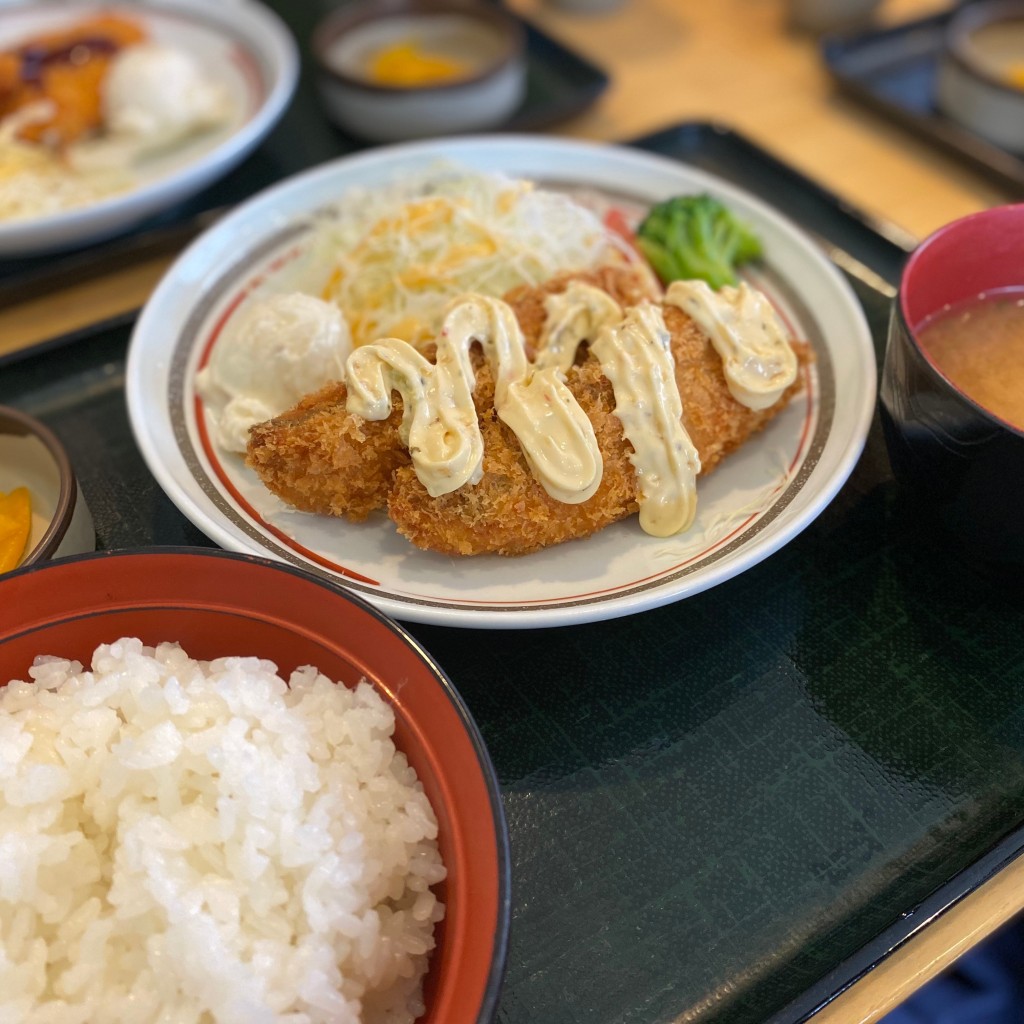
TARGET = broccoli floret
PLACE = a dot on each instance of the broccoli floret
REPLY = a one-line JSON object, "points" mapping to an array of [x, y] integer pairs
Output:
{"points": [[690, 237]]}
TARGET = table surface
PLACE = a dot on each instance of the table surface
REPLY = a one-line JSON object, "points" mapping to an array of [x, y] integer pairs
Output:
{"points": [[737, 62]]}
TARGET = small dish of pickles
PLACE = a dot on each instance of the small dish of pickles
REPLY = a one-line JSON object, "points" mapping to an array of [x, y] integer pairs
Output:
{"points": [[390, 70], [43, 514]]}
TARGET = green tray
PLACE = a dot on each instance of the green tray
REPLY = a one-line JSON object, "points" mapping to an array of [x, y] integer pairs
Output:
{"points": [[727, 809]]}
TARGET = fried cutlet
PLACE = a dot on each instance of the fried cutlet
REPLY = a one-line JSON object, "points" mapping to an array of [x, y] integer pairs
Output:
{"points": [[509, 513], [320, 458], [323, 459]]}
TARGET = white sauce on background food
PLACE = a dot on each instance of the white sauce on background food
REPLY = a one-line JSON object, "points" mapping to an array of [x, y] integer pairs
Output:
{"points": [[158, 95], [747, 333]]}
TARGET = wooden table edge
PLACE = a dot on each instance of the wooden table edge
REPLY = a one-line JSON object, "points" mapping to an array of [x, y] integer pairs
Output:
{"points": [[929, 951]]}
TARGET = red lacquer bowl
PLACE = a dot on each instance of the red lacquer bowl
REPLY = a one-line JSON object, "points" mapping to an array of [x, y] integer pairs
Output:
{"points": [[963, 465], [214, 604]]}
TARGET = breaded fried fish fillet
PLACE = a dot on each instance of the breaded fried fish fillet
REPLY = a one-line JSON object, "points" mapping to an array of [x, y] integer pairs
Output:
{"points": [[323, 459], [509, 513], [320, 458]]}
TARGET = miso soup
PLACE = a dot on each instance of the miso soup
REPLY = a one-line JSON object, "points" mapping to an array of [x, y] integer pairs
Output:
{"points": [[979, 346]]}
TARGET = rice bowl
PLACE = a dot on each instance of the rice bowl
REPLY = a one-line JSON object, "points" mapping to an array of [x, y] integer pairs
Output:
{"points": [[227, 910], [201, 840]]}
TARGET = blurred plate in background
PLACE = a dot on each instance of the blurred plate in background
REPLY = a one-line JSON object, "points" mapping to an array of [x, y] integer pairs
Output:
{"points": [[243, 47]]}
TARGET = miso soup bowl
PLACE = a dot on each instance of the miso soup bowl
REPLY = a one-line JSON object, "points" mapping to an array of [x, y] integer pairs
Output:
{"points": [[963, 464]]}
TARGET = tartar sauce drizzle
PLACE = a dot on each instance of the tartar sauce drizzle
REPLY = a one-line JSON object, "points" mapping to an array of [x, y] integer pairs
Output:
{"points": [[747, 333], [439, 423], [636, 356], [578, 312], [440, 426]]}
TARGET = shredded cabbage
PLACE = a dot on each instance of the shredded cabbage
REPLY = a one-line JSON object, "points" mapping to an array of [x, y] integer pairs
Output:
{"points": [[400, 253]]}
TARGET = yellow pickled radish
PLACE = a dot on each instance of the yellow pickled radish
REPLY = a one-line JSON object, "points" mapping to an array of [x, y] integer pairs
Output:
{"points": [[15, 524], [407, 64]]}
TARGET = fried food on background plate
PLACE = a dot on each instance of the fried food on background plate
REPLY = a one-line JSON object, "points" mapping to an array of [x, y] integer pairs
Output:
{"points": [[321, 458], [65, 68]]}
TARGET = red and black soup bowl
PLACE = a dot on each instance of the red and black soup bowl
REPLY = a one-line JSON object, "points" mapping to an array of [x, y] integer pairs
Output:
{"points": [[962, 463]]}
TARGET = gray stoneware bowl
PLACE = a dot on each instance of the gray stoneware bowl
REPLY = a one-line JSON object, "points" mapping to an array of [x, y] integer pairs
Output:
{"points": [[980, 81], [489, 42]]}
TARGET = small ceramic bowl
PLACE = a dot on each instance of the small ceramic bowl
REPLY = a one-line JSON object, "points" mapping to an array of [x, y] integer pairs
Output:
{"points": [[31, 456], [964, 464], [980, 82], [215, 603], [463, 65]]}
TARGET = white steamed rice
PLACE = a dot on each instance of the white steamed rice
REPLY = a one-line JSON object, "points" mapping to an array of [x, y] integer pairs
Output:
{"points": [[191, 842]]}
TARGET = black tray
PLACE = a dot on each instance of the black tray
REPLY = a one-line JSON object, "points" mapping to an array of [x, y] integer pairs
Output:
{"points": [[559, 84], [893, 71], [725, 810]]}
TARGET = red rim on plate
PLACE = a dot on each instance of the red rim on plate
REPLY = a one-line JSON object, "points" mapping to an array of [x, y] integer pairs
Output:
{"points": [[215, 604]]}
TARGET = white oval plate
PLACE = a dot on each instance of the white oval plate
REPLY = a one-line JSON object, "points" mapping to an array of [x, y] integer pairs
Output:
{"points": [[755, 502], [243, 45]]}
